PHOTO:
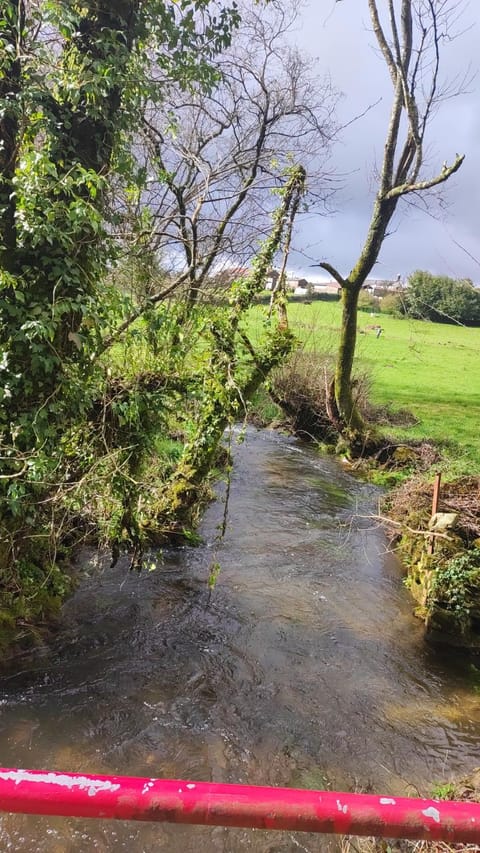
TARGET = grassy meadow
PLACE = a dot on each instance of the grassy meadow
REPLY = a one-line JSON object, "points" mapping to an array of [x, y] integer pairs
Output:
{"points": [[430, 369]]}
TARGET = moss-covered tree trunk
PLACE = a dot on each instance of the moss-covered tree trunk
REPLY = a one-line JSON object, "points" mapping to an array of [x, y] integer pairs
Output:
{"points": [[52, 242], [346, 408], [10, 87], [347, 416], [230, 386], [56, 145]]}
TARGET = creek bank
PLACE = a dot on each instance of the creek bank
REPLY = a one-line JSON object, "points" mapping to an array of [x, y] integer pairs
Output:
{"points": [[444, 580], [446, 583], [32, 598]]}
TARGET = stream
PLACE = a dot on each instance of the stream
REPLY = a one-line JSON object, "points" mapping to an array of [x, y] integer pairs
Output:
{"points": [[303, 667]]}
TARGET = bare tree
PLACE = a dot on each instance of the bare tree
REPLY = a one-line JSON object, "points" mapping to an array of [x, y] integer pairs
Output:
{"points": [[410, 35], [212, 161]]}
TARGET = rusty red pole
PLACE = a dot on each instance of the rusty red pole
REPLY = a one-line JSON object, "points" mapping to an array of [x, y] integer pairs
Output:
{"points": [[130, 798], [435, 502]]}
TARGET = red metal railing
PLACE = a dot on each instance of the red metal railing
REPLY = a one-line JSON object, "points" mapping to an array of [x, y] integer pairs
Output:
{"points": [[132, 798]]}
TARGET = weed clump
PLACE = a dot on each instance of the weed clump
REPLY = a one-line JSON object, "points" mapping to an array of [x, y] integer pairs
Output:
{"points": [[300, 386], [445, 583]]}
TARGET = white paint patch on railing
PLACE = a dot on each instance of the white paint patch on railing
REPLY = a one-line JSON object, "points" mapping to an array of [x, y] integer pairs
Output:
{"points": [[93, 786]]}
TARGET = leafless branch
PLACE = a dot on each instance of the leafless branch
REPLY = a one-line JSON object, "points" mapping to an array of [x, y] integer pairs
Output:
{"points": [[212, 166]]}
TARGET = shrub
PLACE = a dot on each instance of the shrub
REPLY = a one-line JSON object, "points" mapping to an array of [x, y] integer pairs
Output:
{"points": [[367, 302], [392, 304], [456, 587], [299, 388], [442, 299]]}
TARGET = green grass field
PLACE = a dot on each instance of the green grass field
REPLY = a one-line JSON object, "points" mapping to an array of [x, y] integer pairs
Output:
{"points": [[428, 368]]}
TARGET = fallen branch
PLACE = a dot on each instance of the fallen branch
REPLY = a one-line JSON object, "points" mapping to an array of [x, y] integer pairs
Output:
{"points": [[426, 533]]}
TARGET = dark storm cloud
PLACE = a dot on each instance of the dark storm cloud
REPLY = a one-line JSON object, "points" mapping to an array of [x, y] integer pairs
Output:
{"points": [[339, 35]]}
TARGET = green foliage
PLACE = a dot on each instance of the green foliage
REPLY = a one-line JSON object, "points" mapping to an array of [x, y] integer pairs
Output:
{"points": [[112, 405], [74, 437], [213, 575], [391, 303], [444, 791], [456, 586], [367, 302], [441, 299], [32, 592]]}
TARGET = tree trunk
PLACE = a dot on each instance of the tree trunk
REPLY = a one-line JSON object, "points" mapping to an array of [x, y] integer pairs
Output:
{"points": [[347, 418], [415, 34], [10, 83], [349, 415]]}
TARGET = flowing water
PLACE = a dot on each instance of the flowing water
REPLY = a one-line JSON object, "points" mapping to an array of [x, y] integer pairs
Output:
{"points": [[303, 667]]}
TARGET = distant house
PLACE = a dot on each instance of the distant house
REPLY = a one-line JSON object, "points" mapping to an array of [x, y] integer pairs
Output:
{"points": [[297, 284], [292, 284], [330, 287], [381, 287], [271, 279], [302, 286], [222, 279]]}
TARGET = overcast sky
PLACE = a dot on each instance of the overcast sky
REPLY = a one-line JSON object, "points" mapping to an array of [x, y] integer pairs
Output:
{"points": [[338, 33]]}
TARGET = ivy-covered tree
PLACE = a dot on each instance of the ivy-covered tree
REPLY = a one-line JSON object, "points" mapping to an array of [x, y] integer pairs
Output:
{"points": [[67, 113], [96, 436], [73, 79]]}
